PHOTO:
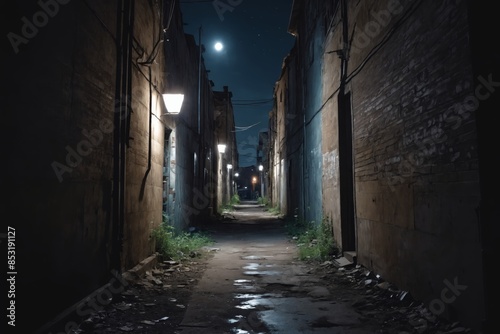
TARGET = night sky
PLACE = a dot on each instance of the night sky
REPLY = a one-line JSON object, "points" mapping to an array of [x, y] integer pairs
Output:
{"points": [[256, 40]]}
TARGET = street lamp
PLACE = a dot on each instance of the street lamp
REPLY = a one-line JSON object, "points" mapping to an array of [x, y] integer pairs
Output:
{"points": [[229, 180], [173, 102], [236, 183], [261, 168], [221, 148]]}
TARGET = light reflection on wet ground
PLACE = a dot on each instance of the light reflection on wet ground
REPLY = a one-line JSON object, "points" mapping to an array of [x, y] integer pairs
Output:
{"points": [[280, 313], [255, 285]]}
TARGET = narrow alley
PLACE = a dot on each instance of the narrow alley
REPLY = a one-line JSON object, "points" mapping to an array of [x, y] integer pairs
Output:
{"points": [[129, 125]]}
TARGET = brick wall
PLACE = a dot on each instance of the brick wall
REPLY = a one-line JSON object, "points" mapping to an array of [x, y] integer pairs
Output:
{"points": [[58, 168], [415, 150]]}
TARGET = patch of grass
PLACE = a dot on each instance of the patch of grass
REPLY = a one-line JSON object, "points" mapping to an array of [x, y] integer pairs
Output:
{"points": [[275, 210], [179, 246], [235, 199], [263, 201], [315, 241], [228, 207]]}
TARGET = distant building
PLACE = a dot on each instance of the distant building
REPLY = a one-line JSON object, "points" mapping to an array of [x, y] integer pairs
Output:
{"points": [[227, 160]]}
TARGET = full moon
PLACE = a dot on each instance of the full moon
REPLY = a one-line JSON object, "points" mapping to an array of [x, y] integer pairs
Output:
{"points": [[218, 46]]}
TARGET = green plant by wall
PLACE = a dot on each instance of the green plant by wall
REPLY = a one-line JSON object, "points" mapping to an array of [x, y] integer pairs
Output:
{"points": [[315, 241], [228, 207], [235, 199], [275, 210], [263, 201], [178, 246]]}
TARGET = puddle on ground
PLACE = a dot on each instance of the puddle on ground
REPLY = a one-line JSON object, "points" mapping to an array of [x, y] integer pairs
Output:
{"points": [[237, 318], [245, 307], [243, 331], [254, 257], [261, 273], [255, 266], [245, 285], [257, 296], [257, 301], [252, 266]]}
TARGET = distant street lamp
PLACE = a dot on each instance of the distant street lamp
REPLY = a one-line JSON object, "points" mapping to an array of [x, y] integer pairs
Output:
{"points": [[236, 182], [230, 180], [221, 148]]}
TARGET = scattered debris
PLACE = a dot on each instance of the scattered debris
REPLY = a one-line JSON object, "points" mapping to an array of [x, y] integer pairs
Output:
{"points": [[122, 306], [381, 299], [126, 329]]}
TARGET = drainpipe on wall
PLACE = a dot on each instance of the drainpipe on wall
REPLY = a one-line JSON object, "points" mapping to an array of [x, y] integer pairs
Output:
{"points": [[125, 14]]}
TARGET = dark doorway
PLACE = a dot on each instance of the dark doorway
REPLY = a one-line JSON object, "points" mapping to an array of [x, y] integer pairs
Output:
{"points": [[346, 173]]}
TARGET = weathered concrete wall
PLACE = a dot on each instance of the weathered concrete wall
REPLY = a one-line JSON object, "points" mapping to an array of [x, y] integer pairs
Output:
{"points": [[294, 138], [330, 122], [310, 48], [224, 134], [415, 149], [280, 159]]}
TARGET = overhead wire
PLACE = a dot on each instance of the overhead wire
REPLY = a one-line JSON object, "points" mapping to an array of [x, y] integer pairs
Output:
{"points": [[241, 128]]}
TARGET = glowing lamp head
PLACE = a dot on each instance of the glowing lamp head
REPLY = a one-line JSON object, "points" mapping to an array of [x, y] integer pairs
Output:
{"points": [[173, 102], [221, 148]]}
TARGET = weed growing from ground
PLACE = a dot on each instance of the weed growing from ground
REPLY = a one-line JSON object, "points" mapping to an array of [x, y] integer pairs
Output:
{"points": [[228, 207], [315, 241], [181, 245]]}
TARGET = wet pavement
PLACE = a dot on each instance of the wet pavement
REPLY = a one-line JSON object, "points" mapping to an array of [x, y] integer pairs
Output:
{"points": [[251, 282], [255, 284]]}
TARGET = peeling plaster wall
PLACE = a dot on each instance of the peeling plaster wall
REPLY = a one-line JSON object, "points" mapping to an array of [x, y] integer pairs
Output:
{"points": [[311, 51], [330, 122]]}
